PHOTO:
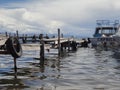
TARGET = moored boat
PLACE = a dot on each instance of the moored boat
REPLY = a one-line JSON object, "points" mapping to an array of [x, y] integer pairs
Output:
{"points": [[106, 34]]}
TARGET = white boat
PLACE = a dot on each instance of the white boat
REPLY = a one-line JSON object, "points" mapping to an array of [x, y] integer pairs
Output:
{"points": [[106, 34]]}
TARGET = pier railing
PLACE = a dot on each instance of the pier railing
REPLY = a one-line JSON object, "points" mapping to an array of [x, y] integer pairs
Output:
{"points": [[107, 23]]}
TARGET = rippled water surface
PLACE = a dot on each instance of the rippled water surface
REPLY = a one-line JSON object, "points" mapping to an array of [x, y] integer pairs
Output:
{"points": [[86, 69]]}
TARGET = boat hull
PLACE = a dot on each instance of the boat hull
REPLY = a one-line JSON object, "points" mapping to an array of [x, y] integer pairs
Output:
{"points": [[106, 42]]}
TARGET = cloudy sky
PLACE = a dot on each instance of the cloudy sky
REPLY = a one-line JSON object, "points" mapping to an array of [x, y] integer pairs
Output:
{"points": [[77, 17]]}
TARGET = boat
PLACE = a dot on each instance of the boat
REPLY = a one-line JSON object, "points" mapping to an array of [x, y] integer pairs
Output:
{"points": [[106, 34]]}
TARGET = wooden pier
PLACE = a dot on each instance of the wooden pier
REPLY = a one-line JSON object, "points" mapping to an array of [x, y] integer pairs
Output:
{"points": [[41, 43]]}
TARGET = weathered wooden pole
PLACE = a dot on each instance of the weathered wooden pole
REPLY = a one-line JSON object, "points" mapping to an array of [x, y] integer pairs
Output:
{"points": [[59, 49], [17, 34], [23, 38], [15, 64], [15, 67], [6, 34], [42, 51], [68, 45]]}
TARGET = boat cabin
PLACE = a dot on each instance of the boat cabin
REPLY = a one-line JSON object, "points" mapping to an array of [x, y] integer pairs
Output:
{"points": [[105, 28]]}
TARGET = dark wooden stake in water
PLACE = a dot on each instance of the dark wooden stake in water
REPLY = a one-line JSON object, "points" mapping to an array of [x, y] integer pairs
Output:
{"points": [[15, 64], [68, 45], [15, 67], [59, 49], [17, 34], [6, 34], [42, 52]]}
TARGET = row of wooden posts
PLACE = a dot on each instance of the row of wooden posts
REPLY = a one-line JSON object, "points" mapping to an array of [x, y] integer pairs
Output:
{"points": [[26, 38], [42, 56], [61, 46]]}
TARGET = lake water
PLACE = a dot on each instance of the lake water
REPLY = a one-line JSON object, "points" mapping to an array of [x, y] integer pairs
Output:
{"points": [[86, 69]]}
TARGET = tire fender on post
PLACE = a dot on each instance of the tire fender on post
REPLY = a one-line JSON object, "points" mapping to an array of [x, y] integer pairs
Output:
{"points": [[14, 47]]}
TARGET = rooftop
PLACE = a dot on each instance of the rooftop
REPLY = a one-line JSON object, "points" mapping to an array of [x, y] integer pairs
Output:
{"points": [[107, 23]]}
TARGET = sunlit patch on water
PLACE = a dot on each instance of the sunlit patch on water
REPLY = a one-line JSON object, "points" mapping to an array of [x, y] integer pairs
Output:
{"points": [[86, 69]]}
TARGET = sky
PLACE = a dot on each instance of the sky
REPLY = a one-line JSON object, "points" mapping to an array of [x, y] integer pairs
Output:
{"points": [[73, 17]]}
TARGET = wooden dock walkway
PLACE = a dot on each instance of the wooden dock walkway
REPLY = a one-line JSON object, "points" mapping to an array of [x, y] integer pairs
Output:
{"points": [[40, 43]]}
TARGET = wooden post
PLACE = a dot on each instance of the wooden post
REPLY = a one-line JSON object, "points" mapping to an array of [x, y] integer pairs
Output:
{"points": [[23, 38], [6, 34], [15, 64], [68, 44], [17, 34], [59, 51], [42, 52], [15, 67]]}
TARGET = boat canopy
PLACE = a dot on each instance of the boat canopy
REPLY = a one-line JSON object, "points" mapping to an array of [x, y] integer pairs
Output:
{"points": [[106, 28]]}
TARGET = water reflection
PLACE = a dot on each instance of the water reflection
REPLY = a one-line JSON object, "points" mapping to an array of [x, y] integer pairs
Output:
{"points": [[23, 77], [10, 81], [86, 69]]}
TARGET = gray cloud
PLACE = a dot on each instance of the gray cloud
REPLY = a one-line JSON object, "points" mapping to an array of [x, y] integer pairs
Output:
{"points": [[72, 16]]}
